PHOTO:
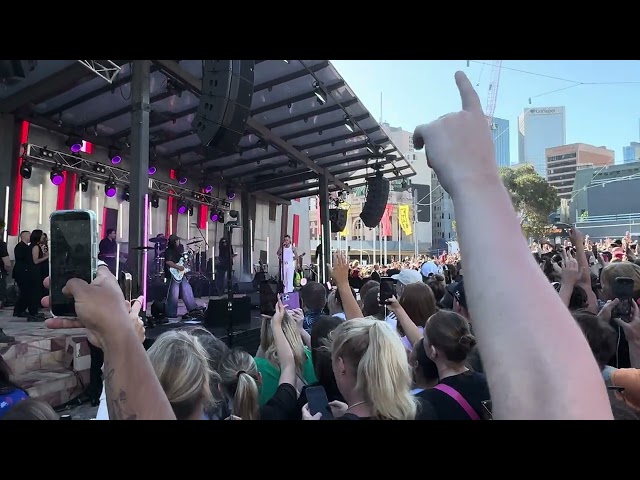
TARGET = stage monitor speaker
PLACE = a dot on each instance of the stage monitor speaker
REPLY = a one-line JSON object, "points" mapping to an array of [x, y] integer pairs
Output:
{"points": [[225, 104], [12, 71], [217, 314], [338, 219], [376, 201]]}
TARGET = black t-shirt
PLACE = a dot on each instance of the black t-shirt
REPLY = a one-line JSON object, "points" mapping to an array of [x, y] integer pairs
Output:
{"points": [[171, 254], [282, 405], [351, 416], [107, 247], [3, 253], [437, 405]]}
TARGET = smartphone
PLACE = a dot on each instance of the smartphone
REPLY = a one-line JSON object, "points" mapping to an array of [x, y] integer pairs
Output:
{"points": [[623, 291], [268, 298], [73, 253], [291, 300], [126, 285], [318, 402], [387, 290]]}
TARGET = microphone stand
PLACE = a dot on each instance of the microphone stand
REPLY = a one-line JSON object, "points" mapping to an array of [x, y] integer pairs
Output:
{"points": [[227, 233]]}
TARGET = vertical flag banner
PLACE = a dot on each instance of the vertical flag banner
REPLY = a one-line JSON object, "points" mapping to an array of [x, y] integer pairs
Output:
{"points": [[405, 221], [385, 222], [345, 232]]}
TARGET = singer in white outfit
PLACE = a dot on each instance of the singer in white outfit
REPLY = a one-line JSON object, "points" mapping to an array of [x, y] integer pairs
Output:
{"points": [[287, 255]]}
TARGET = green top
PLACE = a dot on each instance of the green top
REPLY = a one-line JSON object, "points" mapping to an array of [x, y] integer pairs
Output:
{"points": [[271, 376]]}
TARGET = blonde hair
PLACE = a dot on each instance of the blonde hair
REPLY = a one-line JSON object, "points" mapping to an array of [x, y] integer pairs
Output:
{"points": [[292, 335], [182, 366], [620, 269], [383, 372], [239, 378]]}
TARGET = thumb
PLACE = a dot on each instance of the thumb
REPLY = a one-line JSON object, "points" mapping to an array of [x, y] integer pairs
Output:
{"points": [[57, 323], [75, 287]]}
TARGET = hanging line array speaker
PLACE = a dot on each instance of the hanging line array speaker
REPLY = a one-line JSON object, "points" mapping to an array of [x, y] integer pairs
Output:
{"points": [[376, 201], [225, 103], [338, 219]]}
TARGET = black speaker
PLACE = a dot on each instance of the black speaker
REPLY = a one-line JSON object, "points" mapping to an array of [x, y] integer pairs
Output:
{"points": [[12, 71], [376, 201], [338, 219], [217, 314], [225, 103]]}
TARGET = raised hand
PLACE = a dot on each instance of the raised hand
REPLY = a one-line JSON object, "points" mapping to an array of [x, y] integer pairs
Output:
{"points": [[459, 147]]}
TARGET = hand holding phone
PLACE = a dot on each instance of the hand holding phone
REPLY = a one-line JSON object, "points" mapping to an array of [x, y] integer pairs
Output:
{"points": [[623, 291], [318, 402], [387, 290]]}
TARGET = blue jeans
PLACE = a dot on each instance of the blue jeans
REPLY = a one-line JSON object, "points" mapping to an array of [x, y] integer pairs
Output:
{"points": [[178, 290]]}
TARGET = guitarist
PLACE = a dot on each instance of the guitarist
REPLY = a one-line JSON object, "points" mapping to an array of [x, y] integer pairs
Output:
{"points": [[177, 288]]}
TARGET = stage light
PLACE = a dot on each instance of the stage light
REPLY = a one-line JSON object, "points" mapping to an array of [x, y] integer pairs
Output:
{"points": [[56, 176], [25, 170], [110, 189], [99, 168], [182, 179], [213, 216], [115, 156], [155, 200], [152, 170], [126, 194], [320, 95], [46, 153], [182, 208], [220, 216], [74, 143], [190, 210], [84, 183], [208, 189], [231, 194]]}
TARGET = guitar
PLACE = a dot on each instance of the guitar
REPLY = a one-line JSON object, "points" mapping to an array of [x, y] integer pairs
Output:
{"points": [[178, 275]]}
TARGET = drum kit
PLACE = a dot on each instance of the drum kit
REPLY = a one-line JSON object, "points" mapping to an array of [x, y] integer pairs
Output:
{"points": [[191, 257]]}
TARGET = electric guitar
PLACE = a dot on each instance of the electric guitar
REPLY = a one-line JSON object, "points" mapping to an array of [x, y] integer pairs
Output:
{"points": [[178, 275]]}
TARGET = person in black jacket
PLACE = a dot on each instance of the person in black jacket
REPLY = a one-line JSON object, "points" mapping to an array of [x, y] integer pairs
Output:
{"points": [[22, 254]]}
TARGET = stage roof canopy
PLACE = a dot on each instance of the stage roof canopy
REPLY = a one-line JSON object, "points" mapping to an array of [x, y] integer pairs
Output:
{"points": [[292, 135]]}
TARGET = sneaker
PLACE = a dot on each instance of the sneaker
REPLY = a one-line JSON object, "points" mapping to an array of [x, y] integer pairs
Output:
{"points": [[4, 338]]}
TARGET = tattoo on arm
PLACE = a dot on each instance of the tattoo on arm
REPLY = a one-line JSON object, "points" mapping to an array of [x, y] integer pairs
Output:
{"points": [[116, 400]]}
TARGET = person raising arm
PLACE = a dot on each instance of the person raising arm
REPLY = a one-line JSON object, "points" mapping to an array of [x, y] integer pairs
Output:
{"points": [[538, 363]]}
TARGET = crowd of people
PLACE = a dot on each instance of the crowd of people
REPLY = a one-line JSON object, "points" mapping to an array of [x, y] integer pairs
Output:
{"points": [[546, 335]]}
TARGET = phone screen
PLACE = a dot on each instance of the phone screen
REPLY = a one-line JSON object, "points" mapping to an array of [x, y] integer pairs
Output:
{"points": [[318, 402], [623, 291], [71, 256], [387, 290]]}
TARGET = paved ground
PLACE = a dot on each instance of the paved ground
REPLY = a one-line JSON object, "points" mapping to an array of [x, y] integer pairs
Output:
{"points": [[82, 412]]}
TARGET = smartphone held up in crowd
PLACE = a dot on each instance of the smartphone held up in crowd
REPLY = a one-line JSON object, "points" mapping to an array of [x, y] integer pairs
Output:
{"points": [[73, 254]]}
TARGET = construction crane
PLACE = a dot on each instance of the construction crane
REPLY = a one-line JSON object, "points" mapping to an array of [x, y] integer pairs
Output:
{"points": [[492, 97]]}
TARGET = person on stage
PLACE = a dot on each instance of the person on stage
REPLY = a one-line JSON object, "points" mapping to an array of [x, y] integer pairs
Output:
{"points": [[178, 288], [287, 256], [108, 250], [224, 264]]}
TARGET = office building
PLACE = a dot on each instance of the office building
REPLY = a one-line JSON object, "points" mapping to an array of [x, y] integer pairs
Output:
{"points": [[539, 129], [631, 153], [563, 162], [500, 134]]}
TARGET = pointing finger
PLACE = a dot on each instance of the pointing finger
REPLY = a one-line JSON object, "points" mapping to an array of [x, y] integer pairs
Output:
{"points": [[469, 97]]}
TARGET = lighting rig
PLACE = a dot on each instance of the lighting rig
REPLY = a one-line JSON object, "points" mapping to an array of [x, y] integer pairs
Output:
{"points": [[105, 69], [114, 176]]}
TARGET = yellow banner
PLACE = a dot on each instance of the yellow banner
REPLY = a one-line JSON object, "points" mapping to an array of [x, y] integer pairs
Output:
{"points": [[405, 221]]}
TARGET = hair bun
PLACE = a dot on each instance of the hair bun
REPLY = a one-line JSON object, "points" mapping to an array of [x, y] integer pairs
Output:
{"points": [[467, 341]]}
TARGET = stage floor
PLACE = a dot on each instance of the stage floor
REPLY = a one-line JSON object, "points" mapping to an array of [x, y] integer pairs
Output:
{"points": [[54, 364]]}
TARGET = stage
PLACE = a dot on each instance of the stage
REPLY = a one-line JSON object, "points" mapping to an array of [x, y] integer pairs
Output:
{"points": [[54, 364]]}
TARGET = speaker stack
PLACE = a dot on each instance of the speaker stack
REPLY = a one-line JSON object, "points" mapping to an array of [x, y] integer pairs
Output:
{"points": [[338, 219], [225, 103], [376, 201]]}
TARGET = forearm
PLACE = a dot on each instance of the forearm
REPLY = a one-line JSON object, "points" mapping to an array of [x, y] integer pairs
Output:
{"points": [[285, 356], [132, 387], [522, 320], [410, 329], [566, 290], [306, 338], [349, 303]]}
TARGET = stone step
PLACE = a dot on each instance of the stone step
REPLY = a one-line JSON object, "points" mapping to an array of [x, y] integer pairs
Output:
{"points": [[54, 385]]}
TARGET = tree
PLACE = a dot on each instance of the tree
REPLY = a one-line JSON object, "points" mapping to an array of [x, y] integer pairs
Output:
{"points": [[533, 198]]}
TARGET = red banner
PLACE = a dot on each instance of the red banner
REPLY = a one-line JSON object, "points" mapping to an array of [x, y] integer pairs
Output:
{"points": [[385, 222]]}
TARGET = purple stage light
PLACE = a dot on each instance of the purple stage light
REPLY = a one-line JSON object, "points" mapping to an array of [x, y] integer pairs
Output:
{"points": [[182, 180], [57, 179], [76, 147], [182, 209], [152, 170], [214, 217], [111, 192], [231, 195], [208, 189], [116, 159]]}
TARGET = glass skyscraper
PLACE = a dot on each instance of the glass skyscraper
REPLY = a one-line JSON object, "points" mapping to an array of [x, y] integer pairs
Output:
{"points": [[500, 134]]}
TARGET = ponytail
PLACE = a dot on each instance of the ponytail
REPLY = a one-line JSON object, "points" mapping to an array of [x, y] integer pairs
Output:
{"points": [[245, 400]]}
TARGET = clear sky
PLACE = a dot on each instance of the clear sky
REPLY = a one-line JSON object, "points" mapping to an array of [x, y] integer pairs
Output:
{"points": [[418, 91]]}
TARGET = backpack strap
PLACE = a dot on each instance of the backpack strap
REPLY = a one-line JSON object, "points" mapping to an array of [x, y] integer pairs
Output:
{"points": [[460, 400]]}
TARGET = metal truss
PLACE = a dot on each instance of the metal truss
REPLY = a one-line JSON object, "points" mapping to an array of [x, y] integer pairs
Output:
{"points": [[101, 172], [105, 69]]}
